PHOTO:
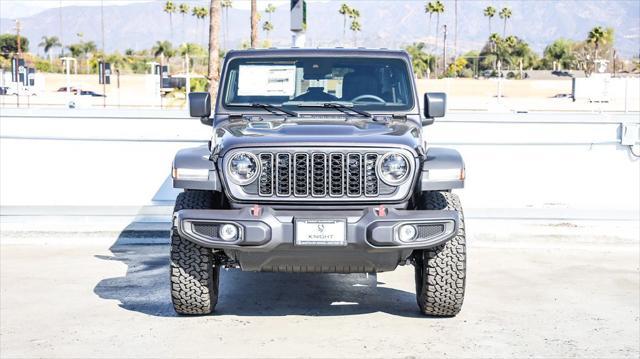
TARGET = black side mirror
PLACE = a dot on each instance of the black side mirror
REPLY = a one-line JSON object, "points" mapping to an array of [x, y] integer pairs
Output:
{"points": [[200, 106], [435, 104]]}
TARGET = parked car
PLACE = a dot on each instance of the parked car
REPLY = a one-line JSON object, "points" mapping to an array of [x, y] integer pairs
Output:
{"points": [[91, 93], [19, 89], [81, 92], [72, 89], [318, 163]]}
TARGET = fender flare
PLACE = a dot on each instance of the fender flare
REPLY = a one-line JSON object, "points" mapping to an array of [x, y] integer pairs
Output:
{"points": [[442, 169], [196, 158]]}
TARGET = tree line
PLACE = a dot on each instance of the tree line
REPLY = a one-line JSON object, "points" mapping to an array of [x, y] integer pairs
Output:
{"points": [[501, 52], [510, 53]]}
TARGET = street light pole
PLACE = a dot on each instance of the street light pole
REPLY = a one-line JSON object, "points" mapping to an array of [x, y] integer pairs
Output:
{"points": [[104, 66], [18, 85], [188, 77]]}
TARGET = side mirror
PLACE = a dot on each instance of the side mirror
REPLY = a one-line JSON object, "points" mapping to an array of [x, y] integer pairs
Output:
{"points": [[435, 104], [200, 106]]}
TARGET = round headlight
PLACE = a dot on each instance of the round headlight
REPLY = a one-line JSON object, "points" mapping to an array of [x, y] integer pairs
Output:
{"points": [[393, 169], [243, 168]]}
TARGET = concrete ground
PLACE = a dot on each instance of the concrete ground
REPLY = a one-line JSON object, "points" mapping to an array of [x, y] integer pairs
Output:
{"points": [[106, 295]]}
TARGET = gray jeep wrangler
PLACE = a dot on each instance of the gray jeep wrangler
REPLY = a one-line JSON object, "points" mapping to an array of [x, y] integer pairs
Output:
{"points": [[318, 163]]}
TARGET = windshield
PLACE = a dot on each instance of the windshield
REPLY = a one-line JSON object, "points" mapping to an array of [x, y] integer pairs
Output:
{"points": [[363, 83]]}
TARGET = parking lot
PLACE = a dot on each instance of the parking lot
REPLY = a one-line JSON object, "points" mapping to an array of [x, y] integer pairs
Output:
{"points": [[106, 295]]}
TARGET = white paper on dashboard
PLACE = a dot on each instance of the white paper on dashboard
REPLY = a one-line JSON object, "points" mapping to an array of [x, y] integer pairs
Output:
{"points": [[267, 80]]}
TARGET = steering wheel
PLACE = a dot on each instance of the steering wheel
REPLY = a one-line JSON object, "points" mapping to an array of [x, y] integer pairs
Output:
{"points": [[373, 97]]}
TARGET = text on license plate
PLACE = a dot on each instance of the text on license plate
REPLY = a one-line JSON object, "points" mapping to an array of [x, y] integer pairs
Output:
{"points": [[320, 232]]}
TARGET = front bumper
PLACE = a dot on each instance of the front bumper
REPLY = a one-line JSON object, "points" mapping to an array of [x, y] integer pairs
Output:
{"points": [[265, 230], [266, 241]]}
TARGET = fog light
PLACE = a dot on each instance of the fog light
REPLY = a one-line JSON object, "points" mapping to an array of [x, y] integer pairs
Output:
{"points": [[228, 232], [407, 233]]}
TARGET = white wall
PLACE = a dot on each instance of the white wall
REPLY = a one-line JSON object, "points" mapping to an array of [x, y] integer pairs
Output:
{"points": [[543, 165]]}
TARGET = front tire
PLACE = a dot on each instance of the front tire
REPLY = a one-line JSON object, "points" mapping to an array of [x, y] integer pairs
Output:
{"points": [[194, 273], [440, 271]]}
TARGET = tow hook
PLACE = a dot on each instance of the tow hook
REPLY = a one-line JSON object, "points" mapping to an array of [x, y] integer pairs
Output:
{"points": [[380, 211], [256, 210]]}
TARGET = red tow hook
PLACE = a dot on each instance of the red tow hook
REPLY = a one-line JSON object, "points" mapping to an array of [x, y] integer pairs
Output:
{"points": [[256, 211], [381, 211]]}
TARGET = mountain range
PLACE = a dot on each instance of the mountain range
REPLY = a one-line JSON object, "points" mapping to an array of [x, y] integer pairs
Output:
{"points": [[388, 23]]}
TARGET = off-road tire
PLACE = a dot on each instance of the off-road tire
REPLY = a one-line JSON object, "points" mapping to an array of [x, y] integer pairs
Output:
{"points": [[194, 274], [441, 271]]}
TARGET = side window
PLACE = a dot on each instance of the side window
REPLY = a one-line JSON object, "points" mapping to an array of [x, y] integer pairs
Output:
{"points": [[233, 85]]}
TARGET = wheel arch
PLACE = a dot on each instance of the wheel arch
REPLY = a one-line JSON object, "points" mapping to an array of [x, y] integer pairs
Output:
{"points": [[442, 169], [193, 169]]}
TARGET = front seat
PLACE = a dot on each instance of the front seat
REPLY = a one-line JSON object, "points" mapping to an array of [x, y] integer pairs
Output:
{"points": [[355, 84]]}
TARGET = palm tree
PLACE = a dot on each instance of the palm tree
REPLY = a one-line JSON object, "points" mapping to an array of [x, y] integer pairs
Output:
{"points": [[48, 43], [428, 8], [599, 36], [162, 49], [355, 27], [254, 24], [345, 10], [170, 8], [89, 48], [226, 5], [267, 26], [438, 8], [489, 12], [494, 41], [200, 13], [421, 61], [76, 50], [505, 14], [191, 49], [270, 10], [354, 15], [184, 10], [195, 12], [214, 48]]}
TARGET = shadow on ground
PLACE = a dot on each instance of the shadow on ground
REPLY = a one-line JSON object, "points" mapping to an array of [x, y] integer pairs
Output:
{"points": [[145, 287]]}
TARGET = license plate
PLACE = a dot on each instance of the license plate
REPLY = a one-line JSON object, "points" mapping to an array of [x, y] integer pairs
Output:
{"points": [[314, 232]]}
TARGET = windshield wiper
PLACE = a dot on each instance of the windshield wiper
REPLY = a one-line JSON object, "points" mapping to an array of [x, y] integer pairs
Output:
{"points": [[346, 109], [274, 109]]}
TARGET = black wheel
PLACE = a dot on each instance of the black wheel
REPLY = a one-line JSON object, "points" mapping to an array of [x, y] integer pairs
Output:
{"points": [[194, 274], [441, 271]]}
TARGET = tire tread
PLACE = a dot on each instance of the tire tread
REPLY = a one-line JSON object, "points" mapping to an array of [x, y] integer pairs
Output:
{"points": [[441, 271], [194, 275]]}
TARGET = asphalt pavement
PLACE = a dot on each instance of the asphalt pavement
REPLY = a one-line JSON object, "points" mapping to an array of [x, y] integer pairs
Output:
{"points": [[106, 295]]}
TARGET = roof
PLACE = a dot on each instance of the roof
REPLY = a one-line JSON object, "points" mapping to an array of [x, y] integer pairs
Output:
{"points": [[337, 51]]}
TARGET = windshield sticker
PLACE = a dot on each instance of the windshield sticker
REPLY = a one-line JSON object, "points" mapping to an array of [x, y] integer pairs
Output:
{"points": [[267, 80]]}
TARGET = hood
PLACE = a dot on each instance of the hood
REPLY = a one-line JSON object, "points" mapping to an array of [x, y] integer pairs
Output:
{"points": [[318, 133]]}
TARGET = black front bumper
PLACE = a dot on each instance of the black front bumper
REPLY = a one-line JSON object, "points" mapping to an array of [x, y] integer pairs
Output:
{"points": [[266, 241]]}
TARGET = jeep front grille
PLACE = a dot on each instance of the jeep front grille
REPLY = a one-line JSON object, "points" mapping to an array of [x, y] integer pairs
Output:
{"points": [[305, 173], [318, 174]]}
